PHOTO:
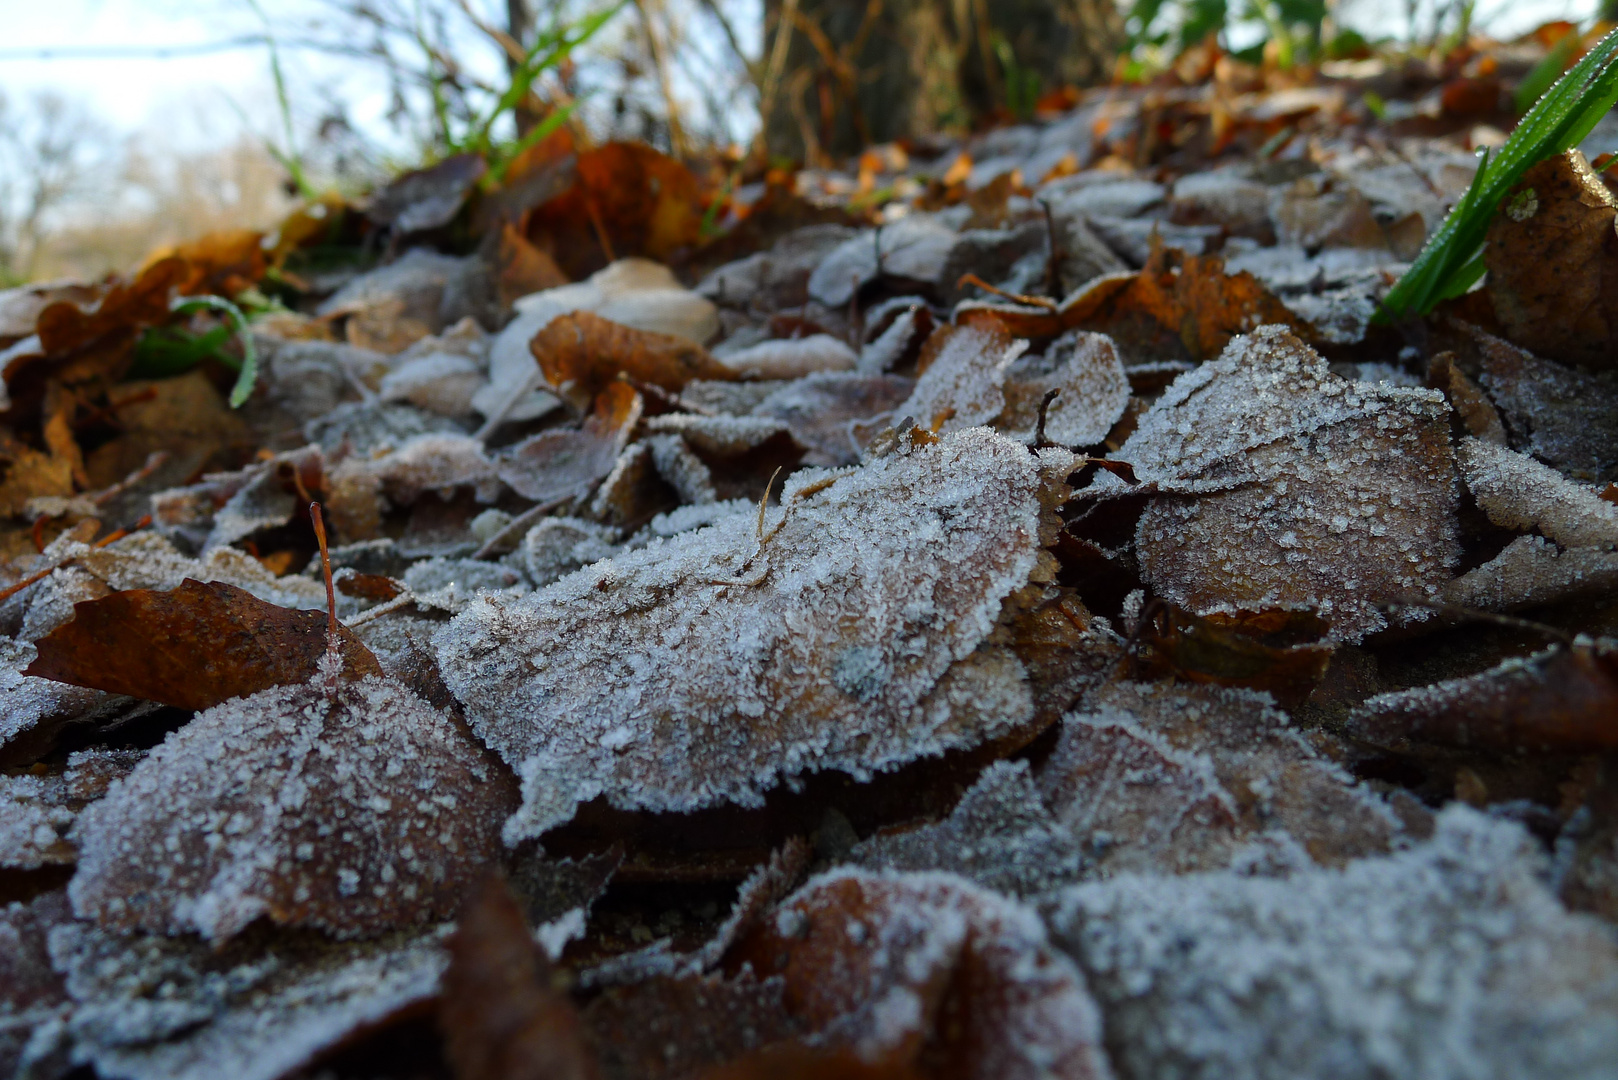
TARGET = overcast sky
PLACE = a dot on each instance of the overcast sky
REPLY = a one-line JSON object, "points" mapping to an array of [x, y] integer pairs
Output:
{"points": [[185, 94]]}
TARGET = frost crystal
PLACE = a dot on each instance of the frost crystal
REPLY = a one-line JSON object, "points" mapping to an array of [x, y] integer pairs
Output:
{"points": [[963, 386], [1451, 960], [355, 811], [1284, 485], [1518, 492], [703, 667]]}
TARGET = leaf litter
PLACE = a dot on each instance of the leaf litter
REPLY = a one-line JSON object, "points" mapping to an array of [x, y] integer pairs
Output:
{"points": [[1029, 622]]}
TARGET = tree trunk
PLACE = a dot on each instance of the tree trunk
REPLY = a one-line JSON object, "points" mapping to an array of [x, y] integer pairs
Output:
{"points": [[870, 71]]}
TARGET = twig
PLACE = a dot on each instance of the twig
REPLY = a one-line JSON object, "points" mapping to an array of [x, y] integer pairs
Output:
{"points": [[660, 60], [1030, 301], [772, 74]]}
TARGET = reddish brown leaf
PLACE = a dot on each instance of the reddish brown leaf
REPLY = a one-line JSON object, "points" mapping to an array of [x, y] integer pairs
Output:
{"points": [[1271, 650], [1552, 254], [191, 647], [582, 353], [502, 1017], [627, 199]]}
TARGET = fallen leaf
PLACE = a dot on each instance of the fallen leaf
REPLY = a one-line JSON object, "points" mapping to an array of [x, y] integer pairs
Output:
{"points": [[961, 376], [231, 818], [224, 263], [427, 198], [192, 647], [563, 463], [683, 1026], [1561, 700], [502, 1015], [927, 969], [581, 353], [32, 994], [1280, 484], [1092, 391], [807, 648], [835, 414], [1332, 962], [1552, 256], [1276, 651], [1519, 493], [627, 196], [36, 811]]}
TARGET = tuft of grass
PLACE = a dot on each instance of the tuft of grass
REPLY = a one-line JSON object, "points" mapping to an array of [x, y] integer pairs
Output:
{"points": [[165, 351], [1452, 261]]}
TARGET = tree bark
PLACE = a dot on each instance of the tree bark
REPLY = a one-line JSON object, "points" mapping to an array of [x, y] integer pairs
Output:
{"points": [[870, 71]]}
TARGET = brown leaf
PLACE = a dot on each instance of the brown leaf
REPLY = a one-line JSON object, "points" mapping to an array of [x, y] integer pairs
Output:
{"points": [[1552, 255], [223, 263], [427, 198], [1270, 650], [1562, 700], [627, 199], [582, 353], [192, 647], [928, 971], [563, 462], [501, 1014], [668, 1027], [233, 817], [521, 268]]}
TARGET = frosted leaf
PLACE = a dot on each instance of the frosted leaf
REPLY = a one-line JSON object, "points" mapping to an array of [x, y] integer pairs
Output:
{"points": [[355, 810], [36, 811], [1531, 571], [835, 414], [441, 383], [962, 387], [32, 996], [1000, 836], [688, 519], [681, 469], [666, 1028], [721, 436], [710, 397], [627, 493], [1195, 770], [1560, 700], [791, 358], [886, 351], [31, 708], [914, 248], [1445, 961], [1559, 414], [1518, 492], [887, 963], [161, 1008], [1286, 486], [436, 463], [558, 546], [702, 668], [1094, 390]]}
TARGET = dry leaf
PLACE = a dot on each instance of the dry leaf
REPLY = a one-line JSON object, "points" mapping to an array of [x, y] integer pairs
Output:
{"points": [[560, 463], [829, 644], [1449, 959], [1519, 493], [192, 647], [581, 353], [427, 198], [224, 263], [669, 1027], [1276, 651], [962, 376], [1281, 485], [32, 994], [36, 811], [1092, 391], [1561, 700], [501, 1014], [836, 414], [931, 970], [234, 817], [1552, 255]]}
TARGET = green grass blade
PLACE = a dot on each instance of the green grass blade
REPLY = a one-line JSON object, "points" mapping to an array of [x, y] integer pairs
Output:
{"points": [[1560, 119], [537, 133], [185, 305]]}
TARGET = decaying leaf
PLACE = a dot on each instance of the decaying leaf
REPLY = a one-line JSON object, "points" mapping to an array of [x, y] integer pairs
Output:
{"points": [[1276, 651], [704, 667], [581, 353], [427, 198], [1562, 415], [36, 811], [352, 807], [1092, 391], [1552, 254], [32, 995], [1531, 571], [1561, 700], [1283, 485], [669, 1027], [1449, 959], [557, 463], [502, 1016], [192, 647], [836, 414], [931, 970], [627, 199], [154, 1007]]}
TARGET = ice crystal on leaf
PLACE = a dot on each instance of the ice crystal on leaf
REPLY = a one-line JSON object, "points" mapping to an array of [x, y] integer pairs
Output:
{"points": [[1283, 485], [353, 808], [1448, 960], [704, 667]]}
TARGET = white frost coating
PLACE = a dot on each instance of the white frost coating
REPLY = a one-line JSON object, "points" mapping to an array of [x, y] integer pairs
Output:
{"points": [[964, 384], [554, 936], [904, 940], [791, 358], [354, 813], [1451, 960], [717, 667], [1518, 492], [1307, 490], [1531, 570], [25, 700], [155, 1008], [1094, 391], [37, 811]]}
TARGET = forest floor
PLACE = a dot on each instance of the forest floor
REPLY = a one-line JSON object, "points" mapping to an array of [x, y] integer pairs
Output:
{"points": [[1002, 607]]}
